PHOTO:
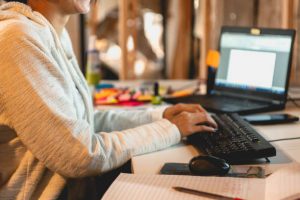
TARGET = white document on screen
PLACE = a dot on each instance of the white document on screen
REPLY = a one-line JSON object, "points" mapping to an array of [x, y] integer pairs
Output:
{"points": [[251, 68]]}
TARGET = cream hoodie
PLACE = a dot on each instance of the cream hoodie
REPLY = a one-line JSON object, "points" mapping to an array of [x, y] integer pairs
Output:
{"points": [[49, 131]]}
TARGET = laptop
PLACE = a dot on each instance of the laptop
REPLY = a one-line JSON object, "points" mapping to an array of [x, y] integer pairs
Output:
{"points": [[253, 74]]}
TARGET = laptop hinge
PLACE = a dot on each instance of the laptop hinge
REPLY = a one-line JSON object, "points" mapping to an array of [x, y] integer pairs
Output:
{"points": [[254, 98]]}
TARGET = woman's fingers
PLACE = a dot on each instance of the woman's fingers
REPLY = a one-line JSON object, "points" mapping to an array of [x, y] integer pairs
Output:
{"points": [[203, 119], [189, 123], [189, 108], [203, 128], [179, 108]]}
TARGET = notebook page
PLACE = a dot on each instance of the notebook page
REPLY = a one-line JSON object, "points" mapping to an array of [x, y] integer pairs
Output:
{"points": [[284, 184], [132, 186]]}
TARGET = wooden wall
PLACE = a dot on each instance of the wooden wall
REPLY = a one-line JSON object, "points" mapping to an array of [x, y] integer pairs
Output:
{"points": [[180, 55], [214, 14], [270, 13], [127, 27], [261, 13]]}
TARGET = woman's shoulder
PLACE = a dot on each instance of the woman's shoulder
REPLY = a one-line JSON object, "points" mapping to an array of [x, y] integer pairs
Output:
{"points": [[17, 29], [17, 19]]}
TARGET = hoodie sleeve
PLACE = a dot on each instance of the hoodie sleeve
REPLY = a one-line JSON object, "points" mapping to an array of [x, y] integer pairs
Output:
{"points": [[38, 101], [125, 119]]}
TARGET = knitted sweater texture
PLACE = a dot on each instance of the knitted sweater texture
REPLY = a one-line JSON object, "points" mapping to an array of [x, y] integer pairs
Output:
{"points": [[49, 131]]}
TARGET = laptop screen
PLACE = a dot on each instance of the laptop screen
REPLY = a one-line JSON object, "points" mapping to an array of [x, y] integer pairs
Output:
{"points": [[254, 61]]}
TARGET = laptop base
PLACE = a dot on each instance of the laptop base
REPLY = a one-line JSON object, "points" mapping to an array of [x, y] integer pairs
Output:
{"points": [[221, 104]]}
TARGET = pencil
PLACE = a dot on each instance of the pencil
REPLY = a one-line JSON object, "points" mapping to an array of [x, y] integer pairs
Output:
{"points": [[203, 194]]}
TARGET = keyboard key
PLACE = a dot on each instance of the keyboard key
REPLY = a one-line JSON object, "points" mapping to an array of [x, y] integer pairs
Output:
{"points": [[234, 141]]}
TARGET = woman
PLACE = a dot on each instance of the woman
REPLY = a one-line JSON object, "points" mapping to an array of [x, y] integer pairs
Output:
{"points": [[49, 132]]}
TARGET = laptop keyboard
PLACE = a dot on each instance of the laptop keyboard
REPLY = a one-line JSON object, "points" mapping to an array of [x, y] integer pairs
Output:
{"points": [[234, 141]]}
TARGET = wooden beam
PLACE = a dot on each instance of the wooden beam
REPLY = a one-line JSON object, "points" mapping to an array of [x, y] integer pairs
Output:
{"points": [[122, 38], [288, 13], [296, 70], [182, 53], [291, 11], [94, 17], [270, 13], [127, 37], [216, 21], [205, 37]]}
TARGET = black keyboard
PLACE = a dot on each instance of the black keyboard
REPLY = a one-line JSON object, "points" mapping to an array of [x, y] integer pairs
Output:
{"points": [[235, 140]]}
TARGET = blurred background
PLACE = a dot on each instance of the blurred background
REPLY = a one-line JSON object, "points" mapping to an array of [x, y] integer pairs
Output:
{"points": [[169, 39]]}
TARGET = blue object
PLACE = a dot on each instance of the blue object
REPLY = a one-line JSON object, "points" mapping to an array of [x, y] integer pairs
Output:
{"points": [[104, 86]]}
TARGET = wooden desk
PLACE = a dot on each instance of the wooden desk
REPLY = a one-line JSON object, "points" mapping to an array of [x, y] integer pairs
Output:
{"points": [[287, 151]]}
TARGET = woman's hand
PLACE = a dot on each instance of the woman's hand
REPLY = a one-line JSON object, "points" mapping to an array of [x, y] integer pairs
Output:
{"points": [[190, 118]]}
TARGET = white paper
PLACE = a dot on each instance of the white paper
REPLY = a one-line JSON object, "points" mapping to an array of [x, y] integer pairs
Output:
{"points": [[149, 187], [283, 184]]}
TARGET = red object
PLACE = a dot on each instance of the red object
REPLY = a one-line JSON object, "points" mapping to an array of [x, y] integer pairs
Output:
{"points": [[130, 103]]}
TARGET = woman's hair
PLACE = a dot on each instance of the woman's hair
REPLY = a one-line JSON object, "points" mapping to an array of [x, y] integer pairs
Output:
{"points": [[21, 1]]}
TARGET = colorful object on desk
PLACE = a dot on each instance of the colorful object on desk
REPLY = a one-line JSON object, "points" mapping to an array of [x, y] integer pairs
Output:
{"points": [[130, 103], [93, 70], [105, 93], [104, 86], [136, 95], [183, 93], [212, 62], [147, 97], [124, 97], [156, 99], [120, 96], [106, 101], [213, 59]]}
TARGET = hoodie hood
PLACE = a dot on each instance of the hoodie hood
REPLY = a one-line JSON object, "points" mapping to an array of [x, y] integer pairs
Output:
{"points": [[22, 12], [16, 10]]}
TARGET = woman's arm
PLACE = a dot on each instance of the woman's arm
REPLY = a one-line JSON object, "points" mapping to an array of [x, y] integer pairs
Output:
{"points": [[114, 120], [37, 100]]}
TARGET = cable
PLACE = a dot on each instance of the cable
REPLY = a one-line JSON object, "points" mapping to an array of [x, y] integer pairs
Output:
{"points": [[284, 139]]}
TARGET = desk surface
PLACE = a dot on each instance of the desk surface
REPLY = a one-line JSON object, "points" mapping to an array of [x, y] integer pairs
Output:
{"points": [[287, 151]]}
